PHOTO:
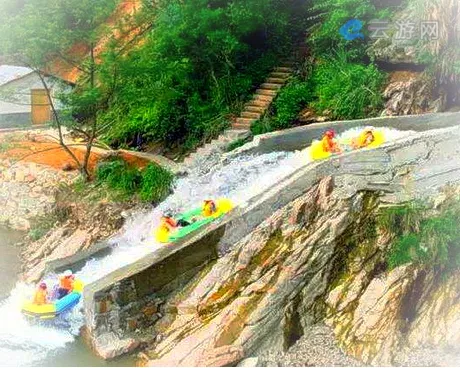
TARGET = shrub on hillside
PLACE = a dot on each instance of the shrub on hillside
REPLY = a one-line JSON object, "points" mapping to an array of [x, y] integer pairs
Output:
{"points": [[198, 62], [347, 90], [156, 183], [118, 175], [290, 101], [426, 239], [152, 184]]}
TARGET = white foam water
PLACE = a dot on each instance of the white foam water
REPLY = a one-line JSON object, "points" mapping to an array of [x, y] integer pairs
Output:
{"points": [[24, 344]]}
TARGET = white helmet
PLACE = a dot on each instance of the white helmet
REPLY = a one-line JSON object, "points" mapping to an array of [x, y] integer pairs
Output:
{"points": [[67, 273]]}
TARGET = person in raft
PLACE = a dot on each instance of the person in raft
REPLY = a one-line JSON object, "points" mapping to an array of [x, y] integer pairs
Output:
{"points": [[329, 144], [65, 284], [209, 208], [168, 223], [364, 139], [41, 294]]}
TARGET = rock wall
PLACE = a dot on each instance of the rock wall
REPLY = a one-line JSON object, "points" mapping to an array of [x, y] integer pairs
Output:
{"points": [[303, 212], [27, 191]]}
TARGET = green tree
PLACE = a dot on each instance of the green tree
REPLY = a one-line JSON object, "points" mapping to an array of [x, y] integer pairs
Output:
{"points": [[38, 33], [200, 60]]}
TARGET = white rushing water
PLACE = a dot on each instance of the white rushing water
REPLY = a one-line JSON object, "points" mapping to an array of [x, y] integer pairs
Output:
{"points": [[22, 343]]}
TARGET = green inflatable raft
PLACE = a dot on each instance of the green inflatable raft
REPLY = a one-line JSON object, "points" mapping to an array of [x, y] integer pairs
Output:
{"points": [[196, 220]]}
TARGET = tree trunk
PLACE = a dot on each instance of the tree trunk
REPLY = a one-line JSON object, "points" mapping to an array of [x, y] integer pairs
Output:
{"points": [[56, 118]]}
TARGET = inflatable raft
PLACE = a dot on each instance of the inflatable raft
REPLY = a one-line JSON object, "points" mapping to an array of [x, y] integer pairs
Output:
{"points": [[317, 152], [379, 139], [196, 219], [56, 308], [316, 148]]}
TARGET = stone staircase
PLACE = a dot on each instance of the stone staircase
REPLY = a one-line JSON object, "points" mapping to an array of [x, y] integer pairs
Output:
{"points": [[252, 112], [263, 97]]}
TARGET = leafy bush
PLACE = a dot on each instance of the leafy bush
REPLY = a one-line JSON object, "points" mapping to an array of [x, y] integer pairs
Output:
{"points": [[426, 239], [156, 183], [152, 184], [331, 15], [118, 175], [197, 63], [264, 125], [237, 144], [290, 101], [347, 90]]}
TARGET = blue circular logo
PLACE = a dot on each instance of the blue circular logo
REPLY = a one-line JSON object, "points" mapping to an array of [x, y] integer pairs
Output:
{"points": [[351, 30]]}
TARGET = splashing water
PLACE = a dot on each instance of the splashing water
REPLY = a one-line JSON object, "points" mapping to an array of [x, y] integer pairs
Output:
{"points": [[22, 343]]}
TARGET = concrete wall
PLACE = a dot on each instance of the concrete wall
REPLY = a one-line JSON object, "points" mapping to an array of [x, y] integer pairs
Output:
{"points": [[124, 301], [15, 120]]}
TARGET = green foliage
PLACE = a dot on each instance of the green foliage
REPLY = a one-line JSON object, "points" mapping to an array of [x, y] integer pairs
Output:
{"points": [[424, 238], [36, 31], [404, 251], [156, 184], [399, 220], [333, 14], [290, 101], [152, 184], [264, 125], [118, 175], [347, 90], [199, 61]]}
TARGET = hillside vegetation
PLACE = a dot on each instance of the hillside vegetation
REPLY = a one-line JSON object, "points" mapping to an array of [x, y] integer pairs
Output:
{"points": [[178, 72]]}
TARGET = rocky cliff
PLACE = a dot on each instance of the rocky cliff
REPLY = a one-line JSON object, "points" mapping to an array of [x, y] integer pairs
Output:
{"points": [[310, 250], [319, 259]]}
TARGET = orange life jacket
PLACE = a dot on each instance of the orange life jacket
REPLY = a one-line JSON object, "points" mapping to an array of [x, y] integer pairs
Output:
{"points": [[66, 283], [209, 208], [41, 297], [167, 224], [328, 144]]}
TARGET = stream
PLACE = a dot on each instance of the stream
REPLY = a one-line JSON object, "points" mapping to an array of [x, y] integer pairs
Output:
{"points": [[57, 342]]}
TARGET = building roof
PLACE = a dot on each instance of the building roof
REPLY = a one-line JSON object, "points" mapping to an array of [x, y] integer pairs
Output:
{"points": [[10, 73]]}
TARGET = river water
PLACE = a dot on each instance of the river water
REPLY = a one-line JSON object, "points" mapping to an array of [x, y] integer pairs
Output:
{"points": [[57, 343]]}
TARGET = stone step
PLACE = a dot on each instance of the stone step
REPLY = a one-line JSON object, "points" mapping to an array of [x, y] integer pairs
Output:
{"points": [[276, 81], [271, 86], [263, 98], [249, 115], [259, 103], [266, 92], [279, 75], [248, 121], [257, 109], [244, 127], [236, 134], [283, 69]]}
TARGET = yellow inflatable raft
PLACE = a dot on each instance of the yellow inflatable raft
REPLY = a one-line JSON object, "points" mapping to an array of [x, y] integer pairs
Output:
{"points": [[317, 152], [379, 139], [52, 310]]}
